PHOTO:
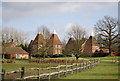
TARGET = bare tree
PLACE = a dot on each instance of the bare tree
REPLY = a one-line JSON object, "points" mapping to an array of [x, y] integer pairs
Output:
{"points": [[77, 34], [45, 49], [107, 32], [44, 31], [9, 33]]}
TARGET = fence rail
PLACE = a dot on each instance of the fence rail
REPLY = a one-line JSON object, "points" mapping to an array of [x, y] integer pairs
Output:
{"points": [[59, 70]]}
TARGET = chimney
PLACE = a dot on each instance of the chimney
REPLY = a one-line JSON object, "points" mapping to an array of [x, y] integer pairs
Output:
{"points": [[4, 41], [12, 40]]}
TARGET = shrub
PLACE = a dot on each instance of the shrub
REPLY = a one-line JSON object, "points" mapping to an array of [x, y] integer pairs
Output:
{"points": [[54, 61], [8, 61]]}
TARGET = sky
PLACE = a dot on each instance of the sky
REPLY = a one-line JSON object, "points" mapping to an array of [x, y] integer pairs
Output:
{"points": [[59, 16]]}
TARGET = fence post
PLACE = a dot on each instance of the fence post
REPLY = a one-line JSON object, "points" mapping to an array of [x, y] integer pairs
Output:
{"points": [[76, 67], [3, 74], [22, 72], [94, 62], [49, 72], [72, 67], [39, 74], [59, 72], [83, 66], [90, 64], [86, 65], [66, 69]]}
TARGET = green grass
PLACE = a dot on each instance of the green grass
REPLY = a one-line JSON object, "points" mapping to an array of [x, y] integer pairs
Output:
{"points": [[68, 58], [105, 70]]}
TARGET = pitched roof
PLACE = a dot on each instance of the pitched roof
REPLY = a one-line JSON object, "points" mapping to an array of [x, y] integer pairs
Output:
{"points": [[90, 44], [70, 42], [31, 42], [38, 39], [91, 41], [55, 40], [14, 50]]}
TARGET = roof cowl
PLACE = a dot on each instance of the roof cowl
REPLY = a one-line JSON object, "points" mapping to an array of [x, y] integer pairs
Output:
{"points": [[55, 32]]}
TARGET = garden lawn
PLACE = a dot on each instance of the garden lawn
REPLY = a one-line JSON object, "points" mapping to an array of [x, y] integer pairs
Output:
{"points": [[104, 70]]}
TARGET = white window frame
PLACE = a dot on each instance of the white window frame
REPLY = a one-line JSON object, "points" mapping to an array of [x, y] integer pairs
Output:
{"points": [[18, 56]]}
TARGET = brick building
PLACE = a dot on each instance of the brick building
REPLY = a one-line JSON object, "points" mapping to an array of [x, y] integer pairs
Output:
{"points": [[10, 51], [56, 44], [53, 43], [90, 46], [35, 44]]}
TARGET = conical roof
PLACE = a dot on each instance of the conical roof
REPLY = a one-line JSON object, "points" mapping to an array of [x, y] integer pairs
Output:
{"points": [[93, 41], [55, 40], [90, 45], [70, 42], [31, 42], [39, 39]]}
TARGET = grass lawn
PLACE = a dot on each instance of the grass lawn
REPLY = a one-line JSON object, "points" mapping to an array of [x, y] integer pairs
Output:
{"points": [[105, 70], [24, 63]]}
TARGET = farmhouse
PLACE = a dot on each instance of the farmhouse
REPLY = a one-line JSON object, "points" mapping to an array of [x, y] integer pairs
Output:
{"points": [[89, 48], [35, 44], [54, 44], [15, 53], [69, 45], [10, 51]]}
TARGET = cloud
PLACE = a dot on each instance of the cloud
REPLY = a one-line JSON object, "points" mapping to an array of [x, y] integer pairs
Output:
{"points": [[61, 1], [68, 27], [15, 10]]}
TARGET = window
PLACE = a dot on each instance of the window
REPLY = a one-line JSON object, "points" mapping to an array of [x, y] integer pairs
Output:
{"points": [[55, 46], [18, 55], [59, 52], [59, 46], [55, 51], [22, 54]]}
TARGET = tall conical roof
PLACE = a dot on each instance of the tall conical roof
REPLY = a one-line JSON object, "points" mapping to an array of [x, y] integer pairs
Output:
{"points": [[31, 42], [93, 41], [39, 39], [70, 43], [90, 45], [55, 40]]}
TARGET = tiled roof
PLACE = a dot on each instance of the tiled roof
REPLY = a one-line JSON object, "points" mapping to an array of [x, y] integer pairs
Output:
{"points": [[55, 40], [31, 42], [39, 39], [14, 50], [70, 43], [90, 45]]}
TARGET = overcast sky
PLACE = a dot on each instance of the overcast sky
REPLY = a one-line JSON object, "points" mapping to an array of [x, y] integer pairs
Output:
{"points": [[27, 16]]}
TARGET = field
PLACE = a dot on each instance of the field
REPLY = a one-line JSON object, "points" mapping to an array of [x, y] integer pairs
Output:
{"points": [[25, 63], [105, 70]]}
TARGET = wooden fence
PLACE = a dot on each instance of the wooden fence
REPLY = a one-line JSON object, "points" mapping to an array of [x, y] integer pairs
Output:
{"points": [[59, 71]]}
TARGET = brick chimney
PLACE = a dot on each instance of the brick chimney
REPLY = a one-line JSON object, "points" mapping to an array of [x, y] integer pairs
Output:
{"points": [[12, 43], [12, 40]]}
